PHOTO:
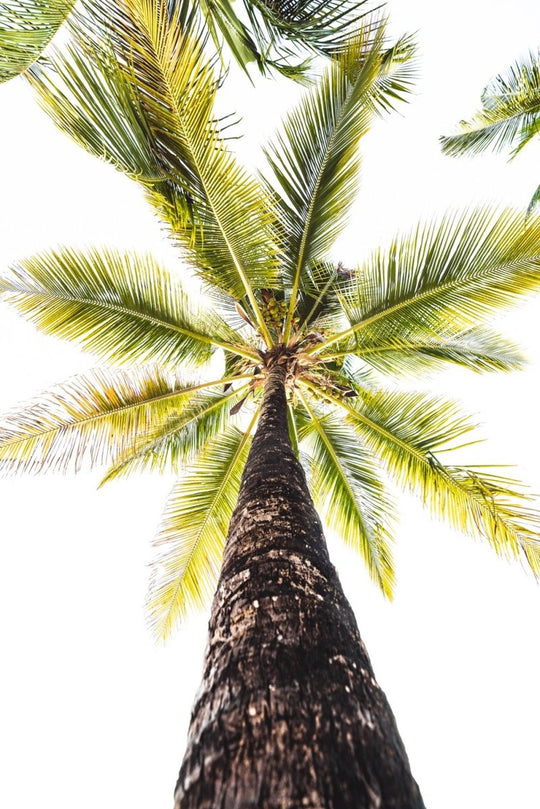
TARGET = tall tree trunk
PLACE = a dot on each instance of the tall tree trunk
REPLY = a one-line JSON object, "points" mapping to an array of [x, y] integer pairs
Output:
{"points": [[289, 715]]}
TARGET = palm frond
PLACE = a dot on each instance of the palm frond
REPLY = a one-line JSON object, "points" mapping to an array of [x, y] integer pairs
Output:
{"points": [[124, 307], [177, 440], [92, 419], [444, 278], [535, 199], [282, 35], [315, 160], [406, 430], [194, 528], [86, 94], [348, 492], [478, 349], [220, 214], [510, 114], [26, 28], [323, 27]]}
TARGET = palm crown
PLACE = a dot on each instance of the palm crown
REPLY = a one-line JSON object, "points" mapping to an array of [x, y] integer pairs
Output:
{"points": [[270, 293]]}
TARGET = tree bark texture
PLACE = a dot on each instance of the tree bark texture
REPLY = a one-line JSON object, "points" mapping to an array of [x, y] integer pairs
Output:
{"points": [[289, 714]]}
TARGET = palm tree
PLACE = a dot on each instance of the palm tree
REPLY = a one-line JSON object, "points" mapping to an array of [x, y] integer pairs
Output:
{"points": [[509, 118], [280, 406]]}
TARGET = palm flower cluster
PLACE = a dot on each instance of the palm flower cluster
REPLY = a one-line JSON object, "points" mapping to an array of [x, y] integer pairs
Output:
{"points": [[134, 86]]}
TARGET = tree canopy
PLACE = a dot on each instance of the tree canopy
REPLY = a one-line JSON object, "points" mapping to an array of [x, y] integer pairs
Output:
{"points": [[137, 89]]}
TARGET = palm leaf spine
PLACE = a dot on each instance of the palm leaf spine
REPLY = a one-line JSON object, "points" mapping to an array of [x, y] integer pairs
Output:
{"points": [[148, 446]]}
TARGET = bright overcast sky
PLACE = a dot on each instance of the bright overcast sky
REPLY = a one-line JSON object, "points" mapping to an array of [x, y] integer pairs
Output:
{"points": [[93, 713]]}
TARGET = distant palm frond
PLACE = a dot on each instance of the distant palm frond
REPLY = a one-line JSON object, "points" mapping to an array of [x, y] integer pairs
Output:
{"points": [[510, 114]]}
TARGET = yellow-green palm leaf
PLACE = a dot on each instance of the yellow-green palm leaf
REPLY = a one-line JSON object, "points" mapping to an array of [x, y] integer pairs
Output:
{"points": [[479, 349], [406, 430], [193, 530], [220, 214], [26, 28], [315, 158], [445, 277], [174, 442], [93, 419], [347, 490], [124, 307]]}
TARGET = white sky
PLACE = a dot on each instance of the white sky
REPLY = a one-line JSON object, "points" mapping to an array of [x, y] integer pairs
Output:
{"points": [[92, 712]]}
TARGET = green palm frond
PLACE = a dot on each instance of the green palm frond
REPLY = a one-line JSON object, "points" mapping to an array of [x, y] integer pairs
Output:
{"points": [[478, 349], [114, 129], [92, 418], [510, 114], [446, 277], [323, 26], [347, 491], [314, 159], [193, 530], [406, 430], [535, 199], [177, 440], [279, 34], [220, 214], [124, 307], [26, 28]]}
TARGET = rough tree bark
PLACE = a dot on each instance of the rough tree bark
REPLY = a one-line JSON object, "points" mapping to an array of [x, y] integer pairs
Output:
{"points": [[289, 715]]}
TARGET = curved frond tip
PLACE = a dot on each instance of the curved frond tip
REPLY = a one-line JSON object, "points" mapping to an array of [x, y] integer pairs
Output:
{"points": [[26, 28]]}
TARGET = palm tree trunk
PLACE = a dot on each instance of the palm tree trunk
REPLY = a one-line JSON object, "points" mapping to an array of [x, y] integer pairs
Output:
{"points": [[289, 715]]}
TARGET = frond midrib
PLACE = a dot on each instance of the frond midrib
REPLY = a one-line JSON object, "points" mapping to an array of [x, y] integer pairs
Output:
{"points": [[117, 307], [237, 263], [470, 281], [120, 409]]}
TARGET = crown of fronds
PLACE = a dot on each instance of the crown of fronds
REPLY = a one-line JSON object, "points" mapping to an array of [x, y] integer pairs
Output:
{"points": [[135, 88]]}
